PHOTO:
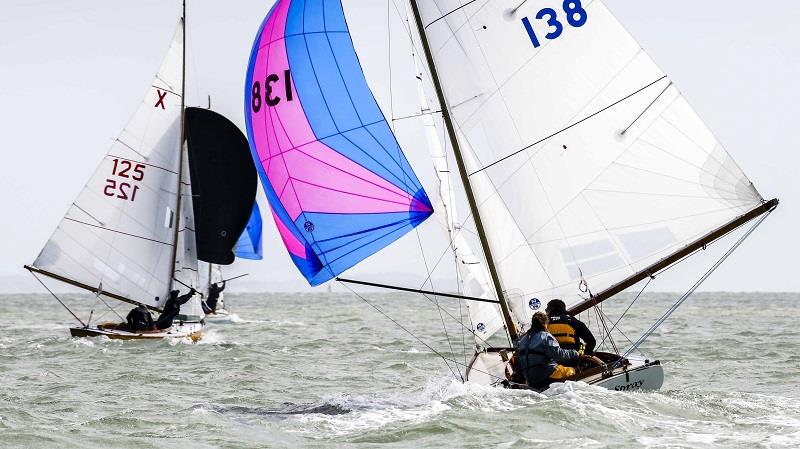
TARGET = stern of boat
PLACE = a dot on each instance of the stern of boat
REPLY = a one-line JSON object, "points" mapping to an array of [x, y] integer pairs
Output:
{"points": [[637, 374]]}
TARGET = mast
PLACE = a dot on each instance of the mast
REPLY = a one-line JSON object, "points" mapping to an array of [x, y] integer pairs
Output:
{"points": [[179, 201], [511, 327]]}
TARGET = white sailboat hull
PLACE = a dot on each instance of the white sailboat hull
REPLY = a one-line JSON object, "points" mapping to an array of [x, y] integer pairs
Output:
{"points": [[488, 368], [218, 314], [191, 330]]}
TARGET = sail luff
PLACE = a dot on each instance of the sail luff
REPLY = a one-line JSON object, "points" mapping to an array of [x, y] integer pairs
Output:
{"points": [[675, 257], [511, 326]]}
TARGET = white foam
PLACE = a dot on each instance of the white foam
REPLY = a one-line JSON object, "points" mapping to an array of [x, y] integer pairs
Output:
{"points": [[438, 396]]}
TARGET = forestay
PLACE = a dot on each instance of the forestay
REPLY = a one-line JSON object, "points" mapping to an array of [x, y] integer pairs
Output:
{"points": [[339, 186], [587, 162], [118, 235]]}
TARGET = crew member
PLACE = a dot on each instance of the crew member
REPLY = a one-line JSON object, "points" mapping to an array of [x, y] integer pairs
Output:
{"points": [[139, 319], [213, 296], [568, 330], [538, 352], [172, 308]]}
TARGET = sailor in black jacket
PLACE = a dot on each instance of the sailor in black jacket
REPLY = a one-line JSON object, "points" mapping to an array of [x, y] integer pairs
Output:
{"points": [[568, 330], [172, 308]]}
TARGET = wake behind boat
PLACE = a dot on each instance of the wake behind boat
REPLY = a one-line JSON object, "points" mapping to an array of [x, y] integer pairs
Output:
{"points": [[177, 186]]}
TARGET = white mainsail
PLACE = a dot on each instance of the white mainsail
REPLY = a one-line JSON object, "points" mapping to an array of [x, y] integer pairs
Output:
{"points": [[118, 235], [587, 163]]}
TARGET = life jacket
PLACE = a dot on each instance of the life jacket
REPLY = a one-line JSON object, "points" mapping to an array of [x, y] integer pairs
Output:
{"points": [[534, 362], [561, 327]]}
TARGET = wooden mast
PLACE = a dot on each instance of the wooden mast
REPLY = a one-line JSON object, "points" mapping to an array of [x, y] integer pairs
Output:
{"points": [[179, 201], [511, 327]]}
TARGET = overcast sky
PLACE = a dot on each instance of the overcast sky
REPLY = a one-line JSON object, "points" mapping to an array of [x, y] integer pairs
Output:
{"points": [[72, 73]]}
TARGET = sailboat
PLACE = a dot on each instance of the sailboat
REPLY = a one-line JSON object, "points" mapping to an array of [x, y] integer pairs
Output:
{"points": [[584, 168], [247, 247], [176, 186]]}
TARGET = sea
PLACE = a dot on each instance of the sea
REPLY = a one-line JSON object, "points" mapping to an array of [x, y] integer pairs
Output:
{"points": [[340, 370]]}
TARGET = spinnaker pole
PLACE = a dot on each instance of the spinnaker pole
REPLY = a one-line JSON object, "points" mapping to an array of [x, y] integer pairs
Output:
{"points": [[510, 325]]}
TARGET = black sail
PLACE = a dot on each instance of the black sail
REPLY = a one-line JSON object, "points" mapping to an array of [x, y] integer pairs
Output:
{"points": [[224, 183]]}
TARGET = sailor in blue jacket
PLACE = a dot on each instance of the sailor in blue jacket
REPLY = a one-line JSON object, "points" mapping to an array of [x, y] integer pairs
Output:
{"points": [[538, 351]]}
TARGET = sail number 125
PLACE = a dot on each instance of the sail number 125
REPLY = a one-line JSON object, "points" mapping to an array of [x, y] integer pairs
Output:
{"points": [[269, 97], [124, 189], [576, 17]]}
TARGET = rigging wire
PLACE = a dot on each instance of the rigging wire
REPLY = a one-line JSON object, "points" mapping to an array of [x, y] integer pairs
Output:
{"points": [[434, 300], [694, 287], [442, 356], [649, 280], [57, 299]]}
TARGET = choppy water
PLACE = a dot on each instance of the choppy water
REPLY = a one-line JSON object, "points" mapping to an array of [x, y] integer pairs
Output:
{"points": [[328, 371]]}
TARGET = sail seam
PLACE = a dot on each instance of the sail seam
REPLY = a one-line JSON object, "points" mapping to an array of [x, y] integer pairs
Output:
{"points": [[451, 12], [139, 162], [89, 271], [568, 127], [117, 231]]}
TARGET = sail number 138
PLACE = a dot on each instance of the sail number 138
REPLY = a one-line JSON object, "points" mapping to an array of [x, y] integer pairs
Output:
{"points": [[576, 17], [258, 99]]}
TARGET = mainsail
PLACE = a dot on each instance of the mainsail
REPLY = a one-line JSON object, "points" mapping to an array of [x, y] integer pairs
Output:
{"points": [[588, 164], [339, 185], [118, 236]]}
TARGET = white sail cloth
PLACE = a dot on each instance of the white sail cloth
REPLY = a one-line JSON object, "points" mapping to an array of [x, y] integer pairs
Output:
{"points": [[118, 235], [474, 280], [588, 164], [186, 268]]}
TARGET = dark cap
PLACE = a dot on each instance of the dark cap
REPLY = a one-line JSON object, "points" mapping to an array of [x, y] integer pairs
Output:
{"points": [[556, 305]]}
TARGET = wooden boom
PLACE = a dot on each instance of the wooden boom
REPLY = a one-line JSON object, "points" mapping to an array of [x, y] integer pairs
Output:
{"points": [[687, 250]]}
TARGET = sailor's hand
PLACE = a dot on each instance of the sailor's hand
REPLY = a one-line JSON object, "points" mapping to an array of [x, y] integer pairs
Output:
{"points": [[581, 349], [192, 291]]}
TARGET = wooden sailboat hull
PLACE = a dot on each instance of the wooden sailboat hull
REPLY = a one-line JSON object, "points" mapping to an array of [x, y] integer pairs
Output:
{"points": [[488, 368], [193, 331]]}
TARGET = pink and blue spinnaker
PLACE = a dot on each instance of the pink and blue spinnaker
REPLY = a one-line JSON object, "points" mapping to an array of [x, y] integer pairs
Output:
{"points": [[339, 186]]}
